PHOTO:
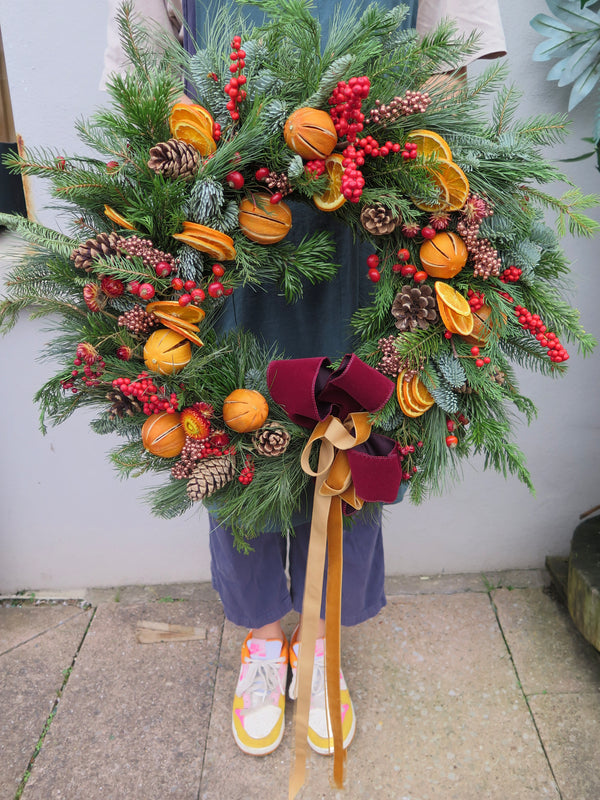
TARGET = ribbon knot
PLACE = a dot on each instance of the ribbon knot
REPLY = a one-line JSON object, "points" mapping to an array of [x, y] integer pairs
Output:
{"points": [[354, 465]]}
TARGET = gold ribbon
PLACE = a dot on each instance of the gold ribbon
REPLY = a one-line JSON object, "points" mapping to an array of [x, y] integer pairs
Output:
{"points": [[333, 483]]}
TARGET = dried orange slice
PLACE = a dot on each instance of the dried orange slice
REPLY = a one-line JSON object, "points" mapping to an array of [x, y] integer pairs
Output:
{"points": [[197, 136], [218, 245], [332, 198], [179, 327], [448, 296], [451, 177], [421, 393], [456, 323], [115, 217], [190, 113], [430, 144], [409, 406], [188, 315]]}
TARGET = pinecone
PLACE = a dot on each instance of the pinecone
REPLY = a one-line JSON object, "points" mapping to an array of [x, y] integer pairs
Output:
{"points": [[122, 406], [498, 376], [210, 475], [271, 440], [174, 159], [378, 220], [103, 246], [138, 320], [465, 389], [414, 307]]}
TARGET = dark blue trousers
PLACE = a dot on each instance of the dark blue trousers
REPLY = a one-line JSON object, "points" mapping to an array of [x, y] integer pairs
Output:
{"points": [[261, 587]]}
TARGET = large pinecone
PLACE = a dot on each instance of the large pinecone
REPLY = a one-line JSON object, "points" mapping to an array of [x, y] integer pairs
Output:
{"points": [[271, 440], [414, 307], [379, 220], [103, 246], [122, 406], [174, 159], [210, 475]]}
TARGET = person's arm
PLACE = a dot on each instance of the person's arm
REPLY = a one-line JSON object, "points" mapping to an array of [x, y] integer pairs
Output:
{"points": [[167, 14]]}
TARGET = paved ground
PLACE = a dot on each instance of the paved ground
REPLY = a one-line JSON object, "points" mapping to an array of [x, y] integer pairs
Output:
{"points": [[465, 687]]}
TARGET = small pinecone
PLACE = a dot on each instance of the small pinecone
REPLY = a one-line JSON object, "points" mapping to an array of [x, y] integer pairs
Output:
{"points": [[271, 440], [498, 376], [414, 307], [210, 475], [174, 159], [465, 389], [122, 406], [378, 220], [138, 320], [104, 245]]}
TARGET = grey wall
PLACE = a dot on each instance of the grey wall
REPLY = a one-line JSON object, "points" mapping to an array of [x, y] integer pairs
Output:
{"points": [[66, 521]]}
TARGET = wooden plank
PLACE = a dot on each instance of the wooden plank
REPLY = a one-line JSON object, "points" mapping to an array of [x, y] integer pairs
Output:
{"points": [[152, 632]]}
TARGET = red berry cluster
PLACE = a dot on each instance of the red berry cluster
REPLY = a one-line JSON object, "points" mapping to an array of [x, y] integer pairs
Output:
{"points": [[216, 131], [532, 323], [89, 358], [346, 101], [316, 166], [476, 300], [511, 274], [143, 389], [232, 88], [247, 474], [410, 151], [405, 451], [192, 293], [143, 290], [479, 362], [352, 178]]}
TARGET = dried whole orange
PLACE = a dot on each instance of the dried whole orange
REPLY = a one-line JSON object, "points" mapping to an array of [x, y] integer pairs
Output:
{"points": [[163, 434], [482, 326], [310, 132], [245, 410], [443, 256], [262, 221], [167, 351]]}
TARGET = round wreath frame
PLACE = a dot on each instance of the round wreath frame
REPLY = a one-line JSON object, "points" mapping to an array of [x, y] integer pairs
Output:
{"points": [[284, 69]]}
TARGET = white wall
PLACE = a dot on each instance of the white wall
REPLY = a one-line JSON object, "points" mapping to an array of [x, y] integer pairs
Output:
{"points": [[66, 521]]}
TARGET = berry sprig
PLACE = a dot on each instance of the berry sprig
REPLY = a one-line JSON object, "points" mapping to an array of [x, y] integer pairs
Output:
{"points": [[143, 389], [535, 325], [192, 293], [476, 299], [479, 361], [405, 452], [411, 103], [247, 474], [354, 158], [89, 358], [346, 101], [316, 167], [237, 80], [511, 274]]}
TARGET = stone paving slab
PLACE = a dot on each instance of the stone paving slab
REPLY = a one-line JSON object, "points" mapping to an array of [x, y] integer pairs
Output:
{"points": [[133, 719], [38, 643], [464, 582], [549, 653], [569, 725], [440, 714]]}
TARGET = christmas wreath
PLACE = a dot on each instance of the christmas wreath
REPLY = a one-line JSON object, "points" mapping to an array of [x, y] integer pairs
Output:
{"points": [[186, 203]]}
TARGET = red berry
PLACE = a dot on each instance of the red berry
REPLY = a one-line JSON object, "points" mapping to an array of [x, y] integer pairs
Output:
{"points": [[262, 173], [60, 162], [479, 362], [428, 232], [276, 198], [189, 285], [146, 291], [198, 294], [185, 300], [235, 180], [447, 335], [177, 284], [374, 274], [451, 441], [111, 166], [397, 267], [403, 254], [218, 270], [450, 425], [163, 268], [372, 260], [475, 350], [408, 270], [487, 360], [228, 290], [134, 287], [215, 289], [419, 277]]}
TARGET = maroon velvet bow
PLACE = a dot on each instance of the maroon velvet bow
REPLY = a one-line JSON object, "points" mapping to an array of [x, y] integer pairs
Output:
{"points": [[309, 391]]}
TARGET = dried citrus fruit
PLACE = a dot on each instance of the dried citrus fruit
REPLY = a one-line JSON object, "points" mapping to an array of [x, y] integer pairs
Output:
{"points": [[218, 245], [115, 217], [185, 314], [430, 144], [443, 256], [456, 323], [454, 181], [406, 401], [332, 198], [420, 392], [448, 296], [197, 136], [441, 204], [190, 113]]}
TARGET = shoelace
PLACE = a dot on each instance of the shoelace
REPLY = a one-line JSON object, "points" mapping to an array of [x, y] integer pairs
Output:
{"points": [[261, 679], [319, 686]]}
